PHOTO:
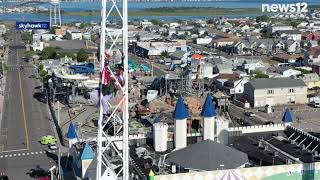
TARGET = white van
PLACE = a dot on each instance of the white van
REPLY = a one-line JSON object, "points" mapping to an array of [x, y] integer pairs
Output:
{"points": [[316, 104]]}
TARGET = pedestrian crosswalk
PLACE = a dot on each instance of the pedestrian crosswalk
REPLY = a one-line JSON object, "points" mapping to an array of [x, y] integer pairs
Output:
{"points": [[20, 154]]}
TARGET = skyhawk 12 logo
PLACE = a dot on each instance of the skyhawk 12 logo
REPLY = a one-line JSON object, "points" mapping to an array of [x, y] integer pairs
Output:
{"points": [[284, 8], [32, 25]]}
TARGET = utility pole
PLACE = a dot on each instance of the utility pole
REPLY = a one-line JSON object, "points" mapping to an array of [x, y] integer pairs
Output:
{"points": [[58, 103]]}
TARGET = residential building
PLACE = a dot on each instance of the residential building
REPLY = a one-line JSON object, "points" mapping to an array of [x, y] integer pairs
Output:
{"points": [[204, 41], [3, 29], [37, 44], [287, 58], [311, 36], [286, 71], [73, 35], [292, 46], [312, 81], [282, 91], [288, 34], [222, 42], [274, 28], [312, 55]]}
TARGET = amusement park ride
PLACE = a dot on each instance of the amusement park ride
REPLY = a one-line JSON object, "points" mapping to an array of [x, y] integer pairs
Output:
{"points": [[116, 75]]}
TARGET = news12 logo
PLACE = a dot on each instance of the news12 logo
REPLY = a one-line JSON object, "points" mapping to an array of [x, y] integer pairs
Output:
{"points": [[285, 8], [32, 25]]}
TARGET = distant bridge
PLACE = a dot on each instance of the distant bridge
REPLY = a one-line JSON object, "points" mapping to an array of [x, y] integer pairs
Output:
{"points": [[27, 2]]}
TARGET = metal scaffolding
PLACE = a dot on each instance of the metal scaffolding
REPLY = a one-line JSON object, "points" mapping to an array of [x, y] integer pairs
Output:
{"points": [[119, 113]]}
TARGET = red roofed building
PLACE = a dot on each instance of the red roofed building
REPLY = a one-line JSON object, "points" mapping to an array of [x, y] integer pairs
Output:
{"points": [[311, 36]]}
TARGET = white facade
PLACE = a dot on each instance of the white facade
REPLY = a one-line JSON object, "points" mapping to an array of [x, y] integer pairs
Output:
{"points": [[72, 141], [84, 168], [180, 133], [47, 37], [160, 137], [222, 126], [204, 41], [37, 45], [205, 71], [275, 96], [279, 28], [290, 72], [253, 66], [208, 128], [73, 35]]}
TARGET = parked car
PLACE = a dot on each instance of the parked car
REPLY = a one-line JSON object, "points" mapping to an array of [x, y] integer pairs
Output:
{"points": [[48, 140], [53, 146], [250, 114], [269, 123], [4, 177], [316, 104]]}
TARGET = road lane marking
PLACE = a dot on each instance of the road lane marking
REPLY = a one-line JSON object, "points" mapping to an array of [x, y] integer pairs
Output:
{"points": [[24, 154], [23, 110], [15, 150]]}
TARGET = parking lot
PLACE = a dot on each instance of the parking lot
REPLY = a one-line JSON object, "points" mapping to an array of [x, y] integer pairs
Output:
{"points": [[304, 116]]}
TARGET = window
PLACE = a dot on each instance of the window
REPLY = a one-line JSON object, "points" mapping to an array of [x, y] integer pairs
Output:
{"points": [[270, 91], [291, 90]]}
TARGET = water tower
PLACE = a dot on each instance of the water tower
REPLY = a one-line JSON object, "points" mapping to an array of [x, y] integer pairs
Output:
{"points": [[55, 20]]}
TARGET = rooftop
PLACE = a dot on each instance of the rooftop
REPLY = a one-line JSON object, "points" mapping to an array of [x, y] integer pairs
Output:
{"points": [[264, 83], [208, 155]]}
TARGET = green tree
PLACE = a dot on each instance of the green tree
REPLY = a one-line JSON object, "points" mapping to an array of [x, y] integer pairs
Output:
{"points": [[259, 74], [82, 55], [263, 18], [53, 30], [26, 37], [303, 71], [40, 67], [155, 22], [265, 33], [29, 54], [210, 21], [44, 76], [195, 31], [64, 54], [6, 36], [48, 53], [165, 54]]}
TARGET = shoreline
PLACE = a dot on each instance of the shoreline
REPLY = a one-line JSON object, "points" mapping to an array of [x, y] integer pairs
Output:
{"points": [[173, 12]]}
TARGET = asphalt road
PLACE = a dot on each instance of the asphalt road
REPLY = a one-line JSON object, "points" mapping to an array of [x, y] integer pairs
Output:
{"points": [[24, 121]]}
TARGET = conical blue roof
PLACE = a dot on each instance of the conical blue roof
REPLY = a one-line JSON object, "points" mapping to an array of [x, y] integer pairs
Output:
{"points": [[287, 117], [71, 132], [87, 153], [180, 111], [208, 109]]}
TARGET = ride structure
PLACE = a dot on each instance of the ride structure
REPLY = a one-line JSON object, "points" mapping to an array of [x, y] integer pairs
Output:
{"points": [[117, 78]]}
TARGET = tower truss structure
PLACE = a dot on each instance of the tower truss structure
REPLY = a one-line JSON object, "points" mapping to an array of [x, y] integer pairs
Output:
{"points": [[55, 16], [118, 115]]}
